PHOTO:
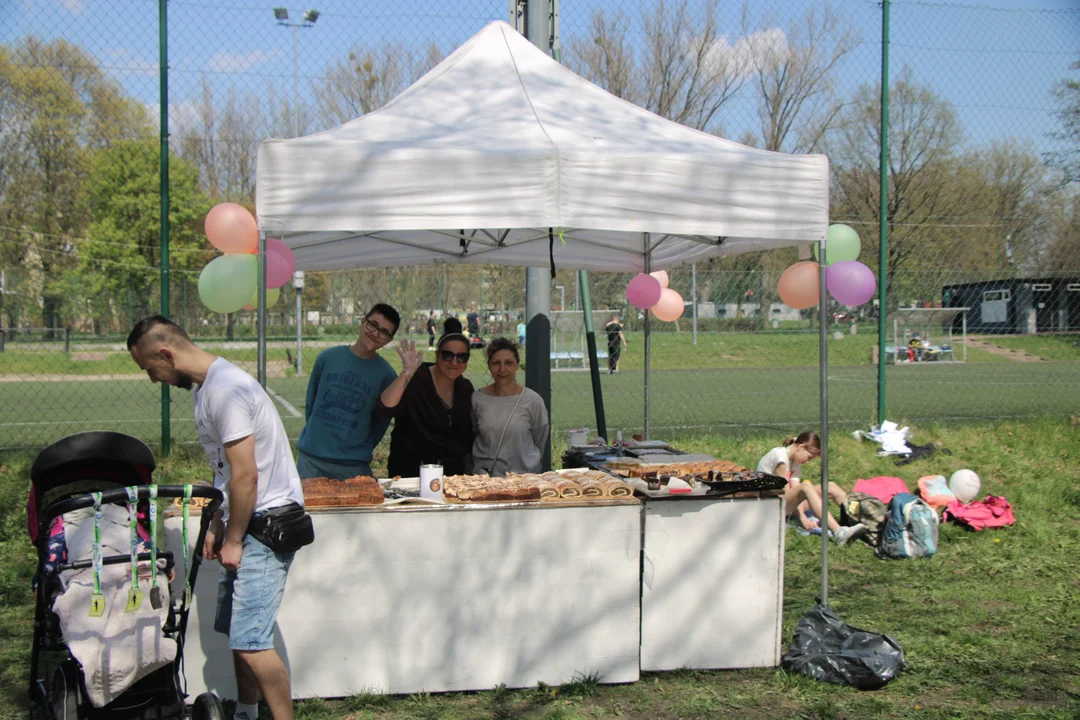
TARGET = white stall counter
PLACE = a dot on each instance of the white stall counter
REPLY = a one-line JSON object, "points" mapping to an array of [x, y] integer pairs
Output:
{"points": [[447, 597], [712, 583]]}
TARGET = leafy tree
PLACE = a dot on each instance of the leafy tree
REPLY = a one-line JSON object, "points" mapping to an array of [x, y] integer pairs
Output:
{"points": [[57, 107], [121, 252], [1067, 159]]}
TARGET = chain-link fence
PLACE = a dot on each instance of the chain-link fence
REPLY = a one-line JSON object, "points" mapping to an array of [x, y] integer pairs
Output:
{"points": [[981, 213]]}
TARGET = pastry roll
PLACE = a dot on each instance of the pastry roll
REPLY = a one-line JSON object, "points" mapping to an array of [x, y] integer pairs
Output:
{"points": [[548, 490], [617, 488], [568, 488], [592, 488]]}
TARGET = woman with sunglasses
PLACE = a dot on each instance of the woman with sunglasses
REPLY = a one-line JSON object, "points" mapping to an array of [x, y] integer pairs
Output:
{"points": [[341, 427], [511, 420], [431, 407]]}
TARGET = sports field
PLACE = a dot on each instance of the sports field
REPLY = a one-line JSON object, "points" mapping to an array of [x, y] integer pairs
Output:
{"points": [[741, 381]]}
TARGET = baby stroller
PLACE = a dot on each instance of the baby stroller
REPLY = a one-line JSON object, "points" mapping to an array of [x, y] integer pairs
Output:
{"points": [[90, 486]]}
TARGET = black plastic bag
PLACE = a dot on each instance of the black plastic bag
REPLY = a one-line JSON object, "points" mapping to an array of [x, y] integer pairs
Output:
{"points": [[828, 649]]}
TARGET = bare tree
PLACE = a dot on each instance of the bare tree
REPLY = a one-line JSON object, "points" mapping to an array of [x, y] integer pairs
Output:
{"points": [[369, 79], [1067, 158], [794, 72], [606, 56]]}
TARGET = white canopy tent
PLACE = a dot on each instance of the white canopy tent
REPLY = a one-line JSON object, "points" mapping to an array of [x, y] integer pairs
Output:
{"points": [[497, 144]]}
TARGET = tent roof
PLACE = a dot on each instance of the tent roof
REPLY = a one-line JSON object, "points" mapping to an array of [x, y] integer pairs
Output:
{"points": [[498, 143]]}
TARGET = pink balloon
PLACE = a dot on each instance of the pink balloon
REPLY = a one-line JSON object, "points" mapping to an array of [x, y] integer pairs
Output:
{"points": [[662, 276], [280, 263], [669, 307], [643, 291], [798, 285], [232, 229], [850, 282]]}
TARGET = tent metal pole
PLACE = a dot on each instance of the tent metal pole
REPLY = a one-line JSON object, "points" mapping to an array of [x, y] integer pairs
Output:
{"points": [[538, 280], [648, 327], [260, 312], [823, 381], [693, 298]]}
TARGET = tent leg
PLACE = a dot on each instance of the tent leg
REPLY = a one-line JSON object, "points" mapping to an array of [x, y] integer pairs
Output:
{"points": [[823, 381], [594, 366], [648, 335], [538, 341]]}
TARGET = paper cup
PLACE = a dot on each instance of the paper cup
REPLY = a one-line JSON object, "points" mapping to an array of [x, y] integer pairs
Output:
{"points": [[431, 484]]}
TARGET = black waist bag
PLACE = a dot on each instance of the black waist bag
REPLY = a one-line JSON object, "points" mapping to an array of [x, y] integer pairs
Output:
{"points": [[283, 529]]}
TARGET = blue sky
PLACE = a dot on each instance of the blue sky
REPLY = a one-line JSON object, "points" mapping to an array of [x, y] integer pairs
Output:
{"points": [[995, 60]]}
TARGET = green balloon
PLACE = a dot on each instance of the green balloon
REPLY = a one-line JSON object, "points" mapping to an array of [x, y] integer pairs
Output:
{"points": [[841, 243], [227, 282]]}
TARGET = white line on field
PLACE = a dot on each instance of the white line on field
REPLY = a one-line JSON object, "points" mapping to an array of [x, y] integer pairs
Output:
{"points": [[284, 403]]}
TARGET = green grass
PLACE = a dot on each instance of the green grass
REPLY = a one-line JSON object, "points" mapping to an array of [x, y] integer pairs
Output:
{"points": [[990, 626], [728, 380]]}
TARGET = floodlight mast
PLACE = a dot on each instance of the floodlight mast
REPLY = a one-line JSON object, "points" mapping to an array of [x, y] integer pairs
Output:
{"points": [[308, 20]]}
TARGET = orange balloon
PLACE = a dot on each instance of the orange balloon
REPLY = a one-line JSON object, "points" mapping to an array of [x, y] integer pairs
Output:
{"points": [[232, 229], [669, 307], [662, 276], [799, 285]]}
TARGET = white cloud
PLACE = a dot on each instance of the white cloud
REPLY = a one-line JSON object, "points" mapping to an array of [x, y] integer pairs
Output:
{"points": [[75, 7], [759, 49], [231, 62], [123, 60], [183, 116]]}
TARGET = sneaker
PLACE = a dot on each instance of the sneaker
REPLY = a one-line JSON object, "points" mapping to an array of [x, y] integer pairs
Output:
{"points": [[846, 534]]}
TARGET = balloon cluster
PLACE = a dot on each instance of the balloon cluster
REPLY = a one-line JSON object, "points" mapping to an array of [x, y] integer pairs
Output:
{"points": [[231, 282], [848, 280], [651, 292]]}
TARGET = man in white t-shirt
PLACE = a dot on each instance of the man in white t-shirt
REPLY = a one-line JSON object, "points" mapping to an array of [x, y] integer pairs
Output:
{"points": [[248, 450]]}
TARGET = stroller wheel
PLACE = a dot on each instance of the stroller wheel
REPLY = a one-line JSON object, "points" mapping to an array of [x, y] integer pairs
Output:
{"points": [[64, 695], [207, 707]]}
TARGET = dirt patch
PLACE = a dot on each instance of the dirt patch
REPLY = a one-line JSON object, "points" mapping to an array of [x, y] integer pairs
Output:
{"points": [[90, 356], [1010, 353]]}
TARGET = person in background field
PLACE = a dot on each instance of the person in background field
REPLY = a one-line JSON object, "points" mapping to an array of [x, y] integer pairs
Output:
{"points": [[473, 321], [800, 495], [342, 428], [510, 420], [431, 404], [431, 330], [245, 442], [521, 333], [615, 342]]}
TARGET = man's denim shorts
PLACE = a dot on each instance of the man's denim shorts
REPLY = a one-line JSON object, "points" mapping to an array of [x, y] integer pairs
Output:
{"points": [[248, 599]]}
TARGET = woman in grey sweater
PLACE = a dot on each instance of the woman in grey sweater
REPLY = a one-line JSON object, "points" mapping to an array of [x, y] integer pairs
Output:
{"points": [[510, 420]]}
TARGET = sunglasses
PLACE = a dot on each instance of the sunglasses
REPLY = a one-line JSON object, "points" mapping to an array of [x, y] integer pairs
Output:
{"points": [[447, 356], [374, 327]]}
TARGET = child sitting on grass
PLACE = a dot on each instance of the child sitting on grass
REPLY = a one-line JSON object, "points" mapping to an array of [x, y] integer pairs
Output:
{"points": [[800, 495]]}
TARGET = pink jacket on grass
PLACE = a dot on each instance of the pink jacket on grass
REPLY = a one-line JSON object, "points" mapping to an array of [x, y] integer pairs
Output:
{"points": [[883, 487], [992, 512]]}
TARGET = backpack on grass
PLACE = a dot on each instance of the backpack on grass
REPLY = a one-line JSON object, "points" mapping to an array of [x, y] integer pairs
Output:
{"points": [[863, 508], [911, 530]]}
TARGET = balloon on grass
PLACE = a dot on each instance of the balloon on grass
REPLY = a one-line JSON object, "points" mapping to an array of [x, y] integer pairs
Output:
{"points": [[280, 263], [643, 291], [272, 295], [850, 282], [798, 285], [231, 228], [662, 276], [227, 282], [669, 307], [841, 243]]}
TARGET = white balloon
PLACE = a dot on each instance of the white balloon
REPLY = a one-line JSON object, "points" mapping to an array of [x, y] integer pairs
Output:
{"points": [[965, 485]]}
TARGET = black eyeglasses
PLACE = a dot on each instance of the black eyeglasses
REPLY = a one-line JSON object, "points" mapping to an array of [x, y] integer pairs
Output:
{"points": [[448, 355], [378, 329]]}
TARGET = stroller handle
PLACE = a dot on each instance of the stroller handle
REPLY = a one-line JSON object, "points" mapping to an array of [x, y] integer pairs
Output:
{"points": [[120, 495]]}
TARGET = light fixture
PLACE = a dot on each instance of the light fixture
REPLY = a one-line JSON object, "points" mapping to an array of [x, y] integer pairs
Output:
{"points": [[281, 13], [311, 16]]}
